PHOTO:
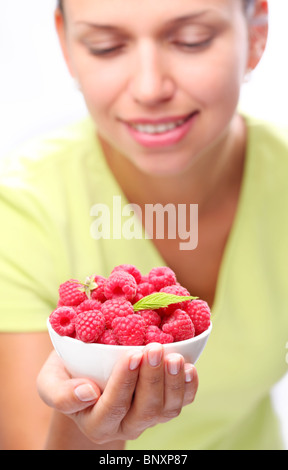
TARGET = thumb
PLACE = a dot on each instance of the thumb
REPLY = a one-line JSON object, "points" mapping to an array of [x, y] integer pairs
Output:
{"points": [[62, 393]]}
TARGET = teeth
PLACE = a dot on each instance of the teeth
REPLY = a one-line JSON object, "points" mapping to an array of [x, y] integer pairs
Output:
{"points": [[157, 128]]}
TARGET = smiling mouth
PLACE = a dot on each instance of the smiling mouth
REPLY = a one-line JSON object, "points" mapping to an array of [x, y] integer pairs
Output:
{"points": [[161, 127]]}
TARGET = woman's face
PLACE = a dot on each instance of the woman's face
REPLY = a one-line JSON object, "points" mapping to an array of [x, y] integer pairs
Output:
{"points": [[160, 79]]}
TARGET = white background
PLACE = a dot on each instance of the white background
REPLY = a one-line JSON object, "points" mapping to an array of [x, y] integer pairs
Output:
{"points": [[37, 94]]}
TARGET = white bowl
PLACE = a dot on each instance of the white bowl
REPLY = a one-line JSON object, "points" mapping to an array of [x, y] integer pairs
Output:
{"points": [[96, 361]]}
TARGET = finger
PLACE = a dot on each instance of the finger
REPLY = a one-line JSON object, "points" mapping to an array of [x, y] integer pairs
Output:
{"points": [[149, 394], [174, 386], [59, 391], [106, 417], [191, 383]]}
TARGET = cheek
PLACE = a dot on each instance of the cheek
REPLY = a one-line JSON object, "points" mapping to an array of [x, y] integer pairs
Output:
{"points": [[97, 93], [216, 79], [221, 91], [100, 87], [219, 84]]}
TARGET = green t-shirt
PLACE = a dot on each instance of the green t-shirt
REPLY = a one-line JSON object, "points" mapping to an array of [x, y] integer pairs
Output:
{"points": [[48, 195]]}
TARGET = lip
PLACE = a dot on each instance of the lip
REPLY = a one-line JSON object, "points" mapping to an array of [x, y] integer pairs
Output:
{"points": [[161, 120], [164, 139]]}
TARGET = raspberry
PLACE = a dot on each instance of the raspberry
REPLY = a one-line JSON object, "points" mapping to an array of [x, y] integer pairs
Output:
{"points": [[117, 307], [89, 325], [176, 290], [130, 330], [89, 304], [143, 289], [98, 292], [155, 335], [151, 317], [60, 303], [107, 337], [70, 293], [120, 284], [62, 321], [179, 325], [161, 277], [131, 269], [200, 314]]}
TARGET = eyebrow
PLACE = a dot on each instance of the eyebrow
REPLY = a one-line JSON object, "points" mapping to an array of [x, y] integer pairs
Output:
{"points": [[170, 23], [186, 18]]}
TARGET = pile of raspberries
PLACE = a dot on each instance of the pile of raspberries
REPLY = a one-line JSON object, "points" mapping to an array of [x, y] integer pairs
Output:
{"points": [[102, 311]]}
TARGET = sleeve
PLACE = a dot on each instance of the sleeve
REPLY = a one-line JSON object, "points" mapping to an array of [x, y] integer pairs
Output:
{"points": [[32, 261]]}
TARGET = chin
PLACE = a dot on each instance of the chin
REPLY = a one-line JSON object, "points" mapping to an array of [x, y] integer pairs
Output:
{"points": [[163, 166]]}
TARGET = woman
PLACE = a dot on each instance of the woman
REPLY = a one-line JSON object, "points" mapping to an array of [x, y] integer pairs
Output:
{"points": [[162, 82]]}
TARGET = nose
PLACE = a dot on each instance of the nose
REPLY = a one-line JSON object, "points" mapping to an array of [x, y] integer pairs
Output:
{"points": [[152, 82]]}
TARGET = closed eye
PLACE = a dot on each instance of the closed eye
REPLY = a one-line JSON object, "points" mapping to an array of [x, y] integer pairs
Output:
{"points": [[193, 46], [107, 51]]}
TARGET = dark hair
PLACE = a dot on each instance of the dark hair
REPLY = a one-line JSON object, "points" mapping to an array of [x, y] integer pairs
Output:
{"points": [[247, 4], [60, 5]]}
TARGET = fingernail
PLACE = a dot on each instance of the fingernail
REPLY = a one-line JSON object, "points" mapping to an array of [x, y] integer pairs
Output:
{"points": [[188, 373], [85, 392], [174, 364], [154, 356], [135, 361]]}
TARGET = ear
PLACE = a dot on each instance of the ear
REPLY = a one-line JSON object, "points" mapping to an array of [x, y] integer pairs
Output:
{"points": [[258, 33], [62, 36]]}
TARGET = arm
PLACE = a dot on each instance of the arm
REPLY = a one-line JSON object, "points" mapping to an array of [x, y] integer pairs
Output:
{"points": [[141, 392], [24, 418]]}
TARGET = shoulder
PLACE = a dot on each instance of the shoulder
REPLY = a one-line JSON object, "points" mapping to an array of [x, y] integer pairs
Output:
{"points": [[49, 153], [268, 140], [267, 154], [42, 180], [266, 181]]}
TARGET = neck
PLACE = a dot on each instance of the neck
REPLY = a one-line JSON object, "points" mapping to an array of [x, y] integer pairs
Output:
{"points": [[203, 183]]}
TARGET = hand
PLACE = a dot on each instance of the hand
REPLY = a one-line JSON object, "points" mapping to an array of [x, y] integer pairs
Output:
{"points": [[144, 389]]}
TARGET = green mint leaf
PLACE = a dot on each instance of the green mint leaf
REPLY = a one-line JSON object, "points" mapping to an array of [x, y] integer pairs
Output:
{"points": [[159, 300]]}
